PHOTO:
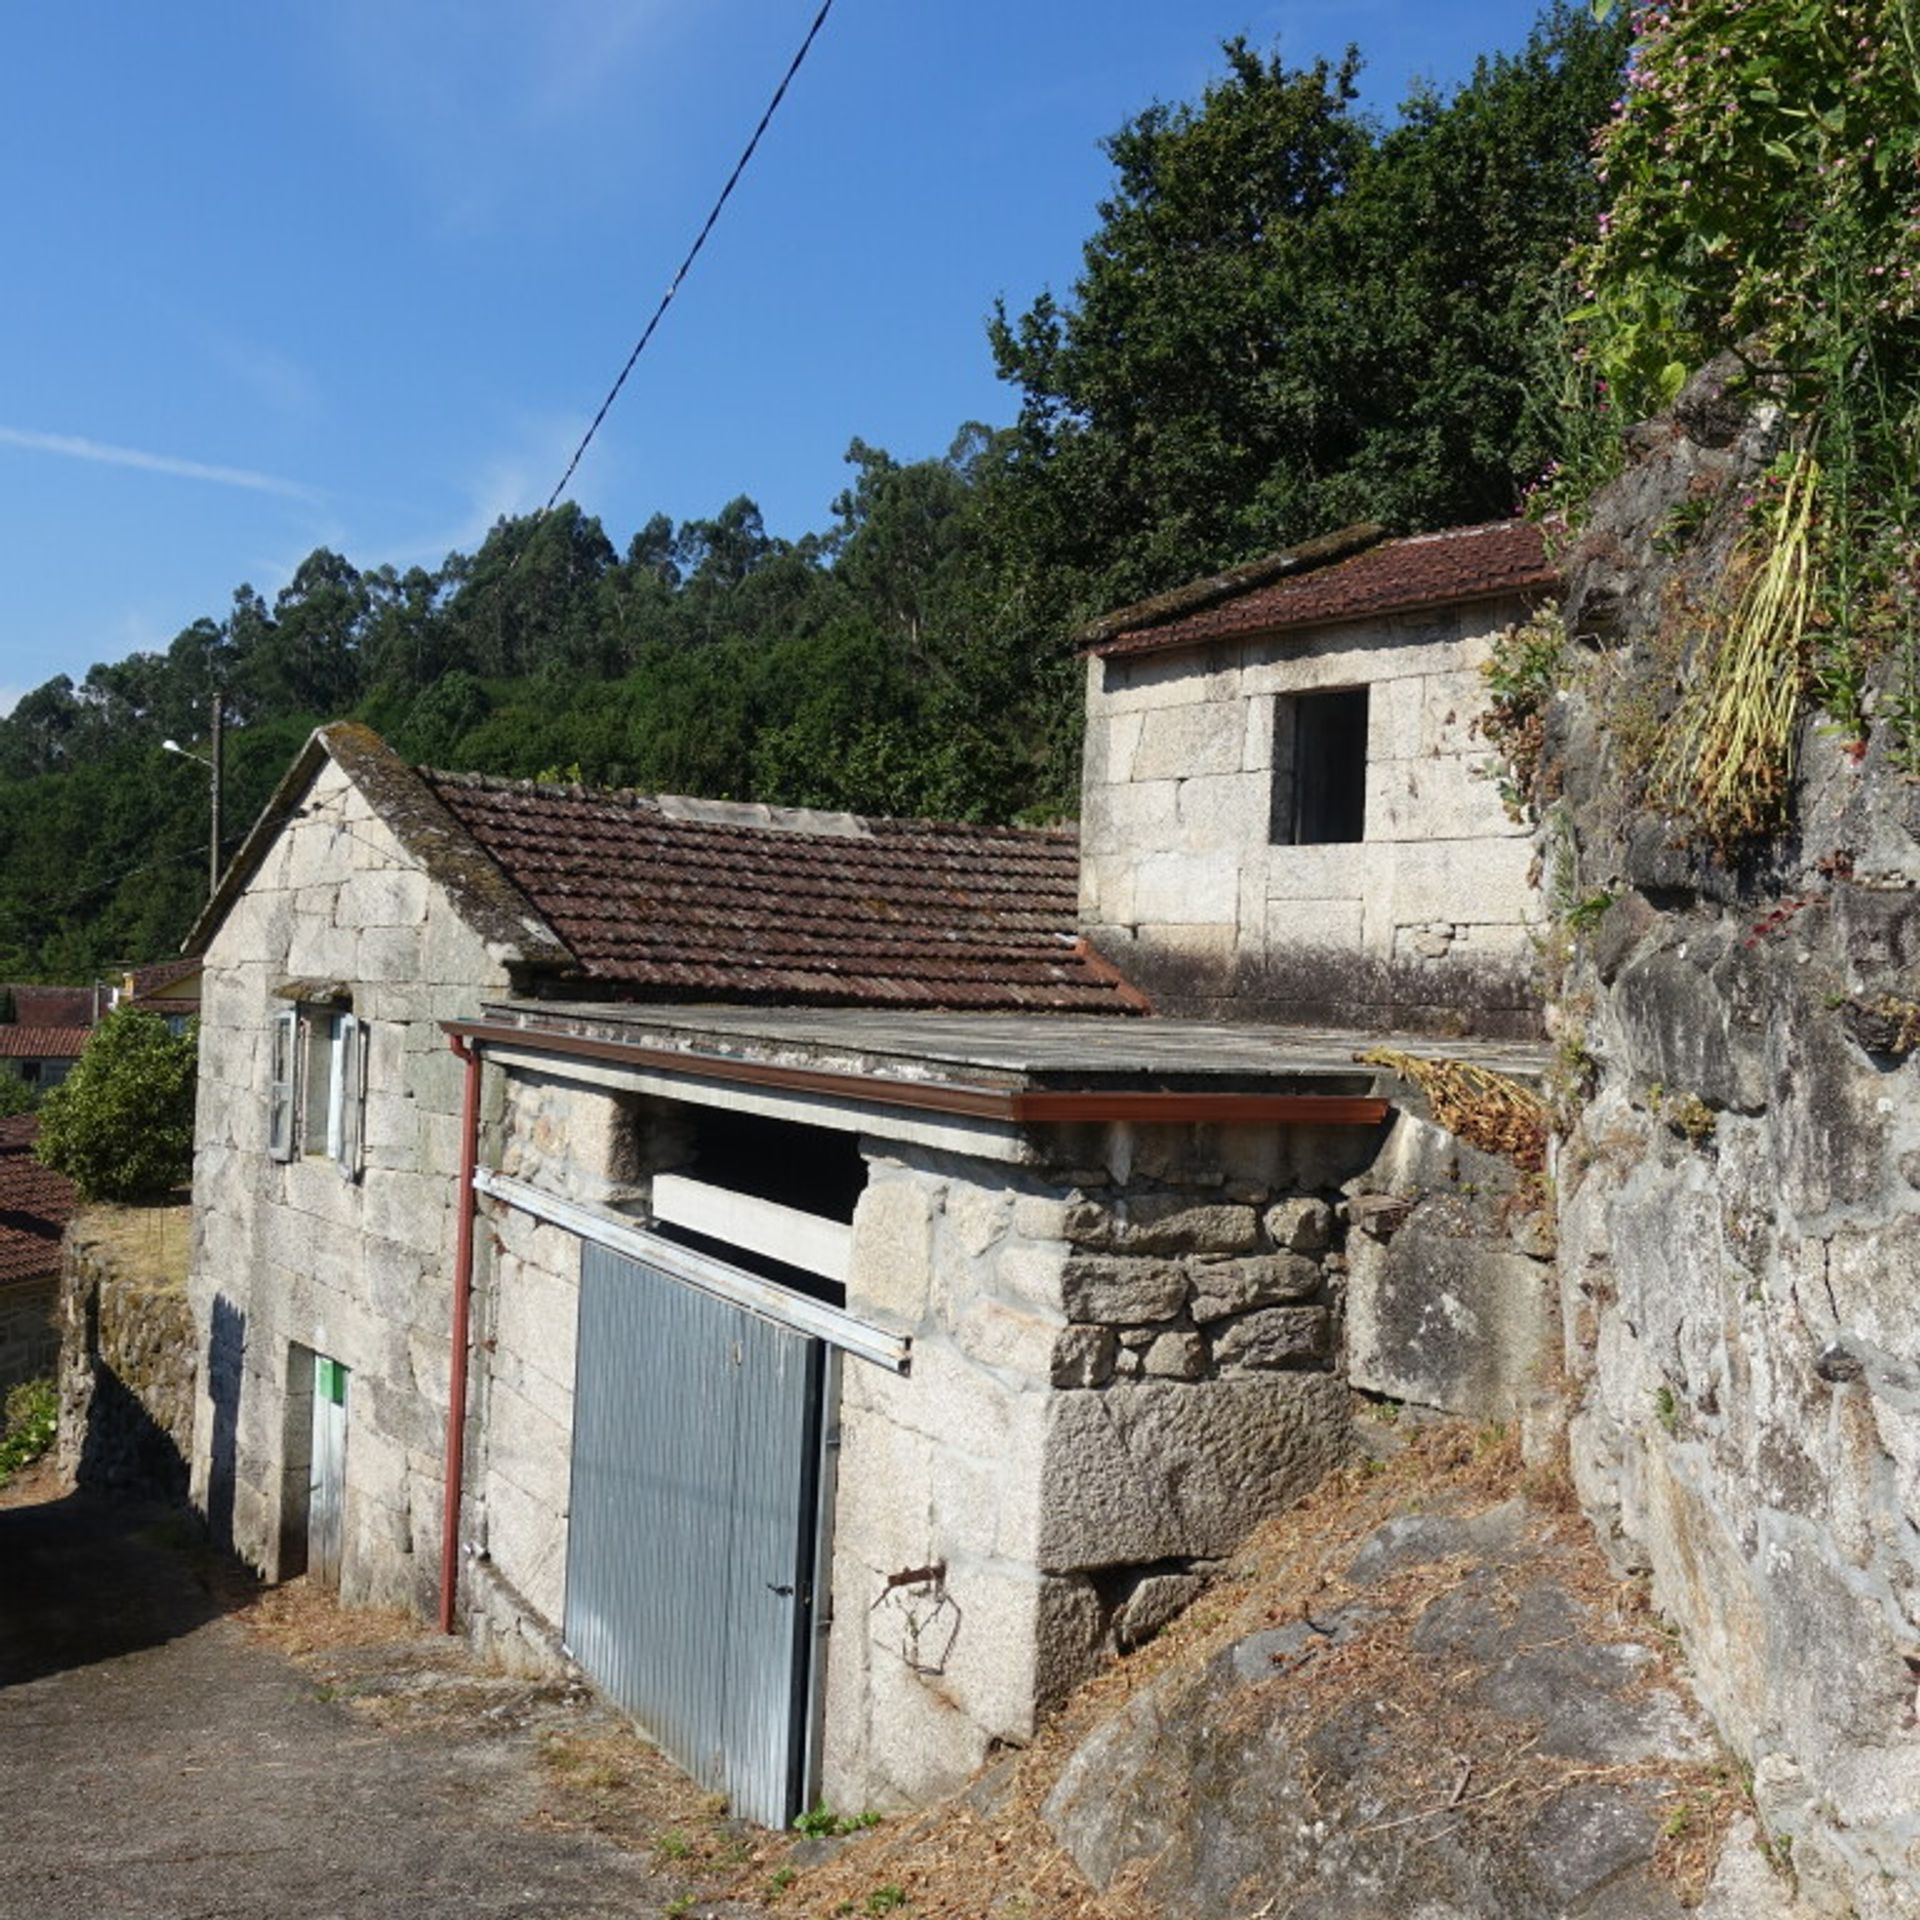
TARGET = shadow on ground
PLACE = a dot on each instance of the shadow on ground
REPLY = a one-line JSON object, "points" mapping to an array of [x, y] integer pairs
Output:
{"points": [[83, 1580]]}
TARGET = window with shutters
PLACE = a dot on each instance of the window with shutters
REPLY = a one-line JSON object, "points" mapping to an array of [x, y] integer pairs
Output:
{"points": [[317, 1089]]}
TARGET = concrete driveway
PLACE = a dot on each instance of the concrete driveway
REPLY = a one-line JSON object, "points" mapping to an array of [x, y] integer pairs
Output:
{"points": [[159, 1760]]}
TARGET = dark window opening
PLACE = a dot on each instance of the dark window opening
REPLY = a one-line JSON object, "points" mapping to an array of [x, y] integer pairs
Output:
{"points": [[1320, 768], [813, 1168]]}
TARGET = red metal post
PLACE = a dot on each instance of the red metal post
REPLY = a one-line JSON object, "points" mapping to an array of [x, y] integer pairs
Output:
{"points": [[462, 1318]]}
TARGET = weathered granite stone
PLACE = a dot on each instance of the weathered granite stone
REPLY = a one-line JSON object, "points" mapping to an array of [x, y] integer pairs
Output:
{"points": [[1083, 1356], [1446, 1314], [1153, 1605], [1122, 1291], [1221, 1287], [1300, 1225], [1162, 1223], [1252, 1445], [1177, 1356], [892, 1261], [1273, 1337]]}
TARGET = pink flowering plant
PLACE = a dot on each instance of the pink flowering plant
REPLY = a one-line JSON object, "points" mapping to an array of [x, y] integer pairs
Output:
{"points": [[1764, 162], [1764, 167]]}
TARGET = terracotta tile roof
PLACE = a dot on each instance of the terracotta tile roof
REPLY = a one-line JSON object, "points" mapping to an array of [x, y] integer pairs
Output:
{"points": [[1460, 565], [52, 1006], [35, 1204], [19, 1042], [690, 900]]}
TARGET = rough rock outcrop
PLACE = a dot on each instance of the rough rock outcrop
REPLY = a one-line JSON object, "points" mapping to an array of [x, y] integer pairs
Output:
{"points": [[1740, 1204], [1457, 1730]]}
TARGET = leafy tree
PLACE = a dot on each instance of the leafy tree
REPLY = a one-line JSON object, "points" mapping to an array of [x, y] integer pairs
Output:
{"points": [[120, 1126], [15, 1095], [1287, 320]]}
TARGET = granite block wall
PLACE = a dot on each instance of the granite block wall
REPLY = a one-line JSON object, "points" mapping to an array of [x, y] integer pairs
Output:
{"points": [[295, 1259], [1425, 923]]}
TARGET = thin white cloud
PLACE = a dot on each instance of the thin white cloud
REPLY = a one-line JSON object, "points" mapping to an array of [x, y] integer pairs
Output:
{"points": [[277, 379], [73, 446]]}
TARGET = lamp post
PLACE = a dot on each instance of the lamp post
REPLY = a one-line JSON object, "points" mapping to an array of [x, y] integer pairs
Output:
{"points": [[213, 765]]}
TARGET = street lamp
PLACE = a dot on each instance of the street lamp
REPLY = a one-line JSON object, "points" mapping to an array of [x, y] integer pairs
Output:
{"points": [[213, 766]]}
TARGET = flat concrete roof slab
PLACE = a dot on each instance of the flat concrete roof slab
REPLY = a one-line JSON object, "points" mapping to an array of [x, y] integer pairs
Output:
{"points": [[1013, 1050]]}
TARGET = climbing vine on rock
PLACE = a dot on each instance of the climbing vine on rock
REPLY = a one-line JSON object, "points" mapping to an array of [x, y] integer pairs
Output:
{"points": [[1765, 168]]}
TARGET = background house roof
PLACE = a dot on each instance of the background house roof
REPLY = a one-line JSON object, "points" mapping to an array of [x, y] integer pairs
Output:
{"points": [[52, 1006], [1329, 581], [35, 1204], [41, 1043], [694, 900], [165, 980]]}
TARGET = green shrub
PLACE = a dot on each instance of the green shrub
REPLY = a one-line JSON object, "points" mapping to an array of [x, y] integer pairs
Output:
{"points": [[32, 1418], [120, 1126]]}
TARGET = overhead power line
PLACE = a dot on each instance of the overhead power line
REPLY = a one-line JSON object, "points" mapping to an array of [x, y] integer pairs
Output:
{"points": [[693, 252]]}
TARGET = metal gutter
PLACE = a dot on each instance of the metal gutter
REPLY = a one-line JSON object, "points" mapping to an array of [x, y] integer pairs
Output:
{"points": [[1014, 1104], [461, 1337]]}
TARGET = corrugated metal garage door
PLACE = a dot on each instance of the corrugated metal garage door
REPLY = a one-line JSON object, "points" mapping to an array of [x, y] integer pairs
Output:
{"points": [[690, 1545]]}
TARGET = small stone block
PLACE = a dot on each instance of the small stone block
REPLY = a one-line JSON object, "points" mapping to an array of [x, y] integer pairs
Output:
{"points": [[1162, 1223], [1177, 1356], [1223, 1287], [1123, 1291], [1153, 1605], [1273, 1337], [1084, 1356], [1302, 1225]]}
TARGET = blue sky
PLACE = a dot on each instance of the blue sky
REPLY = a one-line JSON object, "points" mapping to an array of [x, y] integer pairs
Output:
{"points": [[357, 272]]}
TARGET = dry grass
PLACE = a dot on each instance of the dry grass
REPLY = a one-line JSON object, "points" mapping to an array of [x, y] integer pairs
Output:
{"points": [[1727, 762], [1485, 1109], [149, 1244], [989, 1856]]}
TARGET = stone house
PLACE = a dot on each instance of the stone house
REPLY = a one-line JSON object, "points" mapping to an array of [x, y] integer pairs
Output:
{"points": [[42, 1056], [169, 990], [780, 1259]]}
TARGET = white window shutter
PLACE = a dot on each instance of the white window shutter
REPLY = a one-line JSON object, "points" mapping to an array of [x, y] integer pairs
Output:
{"points": [[280, 1088], [352, 1042]]}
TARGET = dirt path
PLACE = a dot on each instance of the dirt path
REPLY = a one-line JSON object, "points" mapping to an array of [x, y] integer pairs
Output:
{"points": [[160, 1758]]}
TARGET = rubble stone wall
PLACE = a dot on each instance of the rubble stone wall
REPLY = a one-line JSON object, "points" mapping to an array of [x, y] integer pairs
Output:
{"points": [[29, 1329], [1426, 923], [129, 1358], [1119, 1368]]}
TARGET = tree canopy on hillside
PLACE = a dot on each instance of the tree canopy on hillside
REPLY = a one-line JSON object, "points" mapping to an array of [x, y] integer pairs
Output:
{"points": [[1289, 318]]}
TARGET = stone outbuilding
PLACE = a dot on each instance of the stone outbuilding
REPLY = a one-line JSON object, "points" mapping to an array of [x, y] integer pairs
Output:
{"points": [[1287, 809], [778, 1259]]}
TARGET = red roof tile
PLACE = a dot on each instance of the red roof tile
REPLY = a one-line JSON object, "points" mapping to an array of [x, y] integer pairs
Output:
{"points": [[35, 1204], [41, 1043], [53, 1006], [1397, 576], [686, 900]]}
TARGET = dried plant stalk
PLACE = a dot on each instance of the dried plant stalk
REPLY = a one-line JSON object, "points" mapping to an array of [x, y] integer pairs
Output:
{"points": [[1485, 1109]]}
